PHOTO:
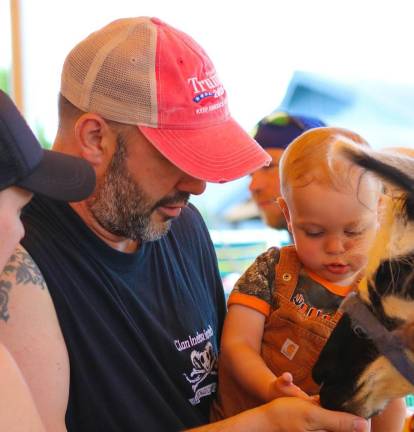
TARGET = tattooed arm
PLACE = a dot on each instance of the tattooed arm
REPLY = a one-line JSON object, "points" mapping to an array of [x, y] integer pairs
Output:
{"points": [[30, 330]]}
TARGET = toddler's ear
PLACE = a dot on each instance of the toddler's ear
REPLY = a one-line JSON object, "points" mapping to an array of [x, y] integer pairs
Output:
{"points": [[283, 205]]}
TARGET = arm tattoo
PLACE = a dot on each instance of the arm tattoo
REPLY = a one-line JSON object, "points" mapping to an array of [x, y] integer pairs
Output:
{"points": [[25, 270], [4, 299]]}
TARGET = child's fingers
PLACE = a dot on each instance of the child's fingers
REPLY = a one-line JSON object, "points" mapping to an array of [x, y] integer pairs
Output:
{"points": [[283, 386], [298, 392], [286, 378], [294, 391]]}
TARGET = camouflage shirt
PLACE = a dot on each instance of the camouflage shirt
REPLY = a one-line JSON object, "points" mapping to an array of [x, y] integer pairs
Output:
{"points": [[310, 295]]}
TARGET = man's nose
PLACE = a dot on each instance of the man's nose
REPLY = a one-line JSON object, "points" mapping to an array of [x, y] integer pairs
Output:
{"points": [[256, 182], [191, 185]]}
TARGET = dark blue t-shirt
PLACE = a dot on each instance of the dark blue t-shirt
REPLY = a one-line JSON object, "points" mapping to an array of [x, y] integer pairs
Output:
{"points": [[142, 330]]}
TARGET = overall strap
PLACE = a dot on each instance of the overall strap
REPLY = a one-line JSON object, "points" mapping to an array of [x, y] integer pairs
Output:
{"points": [[287, 272]]}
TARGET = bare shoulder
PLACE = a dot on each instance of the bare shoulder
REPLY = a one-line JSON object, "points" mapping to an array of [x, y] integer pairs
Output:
{"points": [[30, 330], [17, 408]]}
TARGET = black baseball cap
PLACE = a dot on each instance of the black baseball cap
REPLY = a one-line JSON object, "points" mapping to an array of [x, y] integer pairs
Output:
{"points": [[24, 163]]}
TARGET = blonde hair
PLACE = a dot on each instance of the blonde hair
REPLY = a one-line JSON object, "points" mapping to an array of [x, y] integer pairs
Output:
{"points": [[313, 157]]}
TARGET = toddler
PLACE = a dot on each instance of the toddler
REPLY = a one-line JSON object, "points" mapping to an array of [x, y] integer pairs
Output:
{"points": [[284, 307]]}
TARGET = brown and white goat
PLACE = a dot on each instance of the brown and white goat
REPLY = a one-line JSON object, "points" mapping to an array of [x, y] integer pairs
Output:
{"points": [[369, 361]]}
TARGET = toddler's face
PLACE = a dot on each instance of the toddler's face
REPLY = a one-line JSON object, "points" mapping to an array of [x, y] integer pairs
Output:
{"points": [[334, 230]]}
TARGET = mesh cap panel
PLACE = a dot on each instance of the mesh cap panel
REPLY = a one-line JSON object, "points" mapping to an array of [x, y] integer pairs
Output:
{"points": [[143, 72], [112, 73]]}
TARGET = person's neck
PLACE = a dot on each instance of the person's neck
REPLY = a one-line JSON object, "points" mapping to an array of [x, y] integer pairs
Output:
{"points": [[121, 244]]}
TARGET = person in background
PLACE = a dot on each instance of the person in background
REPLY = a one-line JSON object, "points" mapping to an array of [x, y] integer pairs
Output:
{"points": [[284, 307], [25, 168], [123, 318], [274, 133]]}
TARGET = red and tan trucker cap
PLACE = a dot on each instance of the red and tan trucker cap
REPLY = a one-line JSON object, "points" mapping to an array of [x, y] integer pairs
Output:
{"points": [[143, 72]]}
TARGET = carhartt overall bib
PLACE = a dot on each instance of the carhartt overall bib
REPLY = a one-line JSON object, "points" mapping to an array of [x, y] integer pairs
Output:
{"points": [[291, 342]]}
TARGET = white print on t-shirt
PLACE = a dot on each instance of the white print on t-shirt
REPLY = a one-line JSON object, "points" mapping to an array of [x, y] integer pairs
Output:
{"points": [[204, 364], [194, 340]]}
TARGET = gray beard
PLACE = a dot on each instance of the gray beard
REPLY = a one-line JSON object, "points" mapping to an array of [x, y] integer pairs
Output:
{"points": [[124, 212], [122, 207]]}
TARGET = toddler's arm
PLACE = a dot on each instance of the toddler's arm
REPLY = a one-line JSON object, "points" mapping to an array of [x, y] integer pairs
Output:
{"points": [[240, 355]]}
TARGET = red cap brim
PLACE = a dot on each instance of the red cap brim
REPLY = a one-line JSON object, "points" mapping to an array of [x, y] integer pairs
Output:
{"points": [[215, 154]]}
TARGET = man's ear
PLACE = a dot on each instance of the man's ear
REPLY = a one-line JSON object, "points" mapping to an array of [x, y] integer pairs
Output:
{"points": [[285, 209], [96, 141]]}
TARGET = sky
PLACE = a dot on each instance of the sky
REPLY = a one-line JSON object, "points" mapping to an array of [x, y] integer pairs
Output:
{"points": [[255, 45]]}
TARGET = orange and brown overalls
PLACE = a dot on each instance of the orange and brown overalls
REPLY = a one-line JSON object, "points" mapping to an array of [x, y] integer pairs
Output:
{"points": [[291, 341]]}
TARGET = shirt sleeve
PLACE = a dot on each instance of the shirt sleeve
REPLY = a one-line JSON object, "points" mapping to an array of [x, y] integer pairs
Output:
{"points": [[255, 286]]}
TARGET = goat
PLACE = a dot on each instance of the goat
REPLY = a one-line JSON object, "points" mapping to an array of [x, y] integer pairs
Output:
{"points": [[368, 359]]}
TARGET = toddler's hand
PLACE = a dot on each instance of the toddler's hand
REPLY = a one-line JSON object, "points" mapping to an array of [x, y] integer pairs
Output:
{"points": [[283, 386]]}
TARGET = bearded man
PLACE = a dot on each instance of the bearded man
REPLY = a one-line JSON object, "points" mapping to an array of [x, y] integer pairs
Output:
{"points": [[115, 304]]}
